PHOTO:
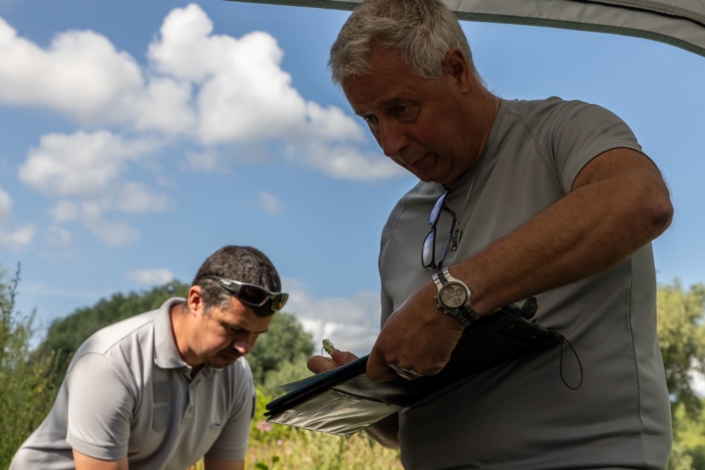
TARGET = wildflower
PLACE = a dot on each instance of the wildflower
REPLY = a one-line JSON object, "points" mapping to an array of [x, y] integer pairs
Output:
{"points": [[264, 426]]}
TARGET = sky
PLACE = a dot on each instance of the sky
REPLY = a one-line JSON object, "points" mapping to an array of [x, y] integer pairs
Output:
{"points": [[139, 137]]}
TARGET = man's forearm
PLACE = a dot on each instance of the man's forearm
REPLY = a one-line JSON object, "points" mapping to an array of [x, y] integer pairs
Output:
{"points": [[593, 228], [386, 431]]}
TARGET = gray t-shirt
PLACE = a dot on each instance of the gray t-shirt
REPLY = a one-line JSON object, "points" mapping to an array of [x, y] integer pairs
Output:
{"points": [[520, 415], [128, 393]]}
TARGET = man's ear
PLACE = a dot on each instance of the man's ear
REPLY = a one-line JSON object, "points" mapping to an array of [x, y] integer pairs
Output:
{"points": [[456, 66], [195, 300]]}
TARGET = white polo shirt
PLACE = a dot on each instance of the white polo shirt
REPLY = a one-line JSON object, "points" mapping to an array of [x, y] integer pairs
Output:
{"points": [[128, 393]]}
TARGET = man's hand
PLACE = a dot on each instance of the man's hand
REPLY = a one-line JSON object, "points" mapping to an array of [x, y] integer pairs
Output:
{"points": [[318, 364], [417, 339]]}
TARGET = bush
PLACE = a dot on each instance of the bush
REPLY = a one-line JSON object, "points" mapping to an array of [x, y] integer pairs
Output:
{"points": [[26, 380]]}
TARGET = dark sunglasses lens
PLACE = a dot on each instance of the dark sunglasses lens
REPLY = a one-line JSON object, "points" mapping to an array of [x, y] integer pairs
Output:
{"points": [[253, 295], [427, 249], [278, 301], [436, 211]]}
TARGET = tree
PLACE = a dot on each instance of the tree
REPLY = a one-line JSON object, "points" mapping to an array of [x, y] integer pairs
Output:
{"points": [[26, 380], [280, 355], [65, 335], [681, 328], [284, 344]]}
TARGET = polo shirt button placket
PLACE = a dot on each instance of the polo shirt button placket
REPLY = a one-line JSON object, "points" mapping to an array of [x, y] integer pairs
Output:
{"points": [[188, 416]]}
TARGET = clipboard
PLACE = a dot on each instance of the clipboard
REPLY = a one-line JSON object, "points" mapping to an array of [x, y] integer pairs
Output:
{"points": [[344, 401]]}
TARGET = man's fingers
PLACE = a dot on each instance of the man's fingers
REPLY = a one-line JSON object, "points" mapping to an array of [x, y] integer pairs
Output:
{"points": [[377, 368], [342, 357], [318, 364]]}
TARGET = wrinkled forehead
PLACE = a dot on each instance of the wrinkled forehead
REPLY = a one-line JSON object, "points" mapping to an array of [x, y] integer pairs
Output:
{"points": [[387, 80]]}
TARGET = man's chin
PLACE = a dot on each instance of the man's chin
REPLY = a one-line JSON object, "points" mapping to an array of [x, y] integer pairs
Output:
{"points": [[221, 360]]}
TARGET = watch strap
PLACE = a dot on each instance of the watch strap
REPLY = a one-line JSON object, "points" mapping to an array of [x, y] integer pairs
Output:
{"points": [[466, 315]]}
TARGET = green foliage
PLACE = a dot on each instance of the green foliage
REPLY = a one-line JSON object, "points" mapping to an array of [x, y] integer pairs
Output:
{"points": [[26, 380], [285, 344], [286, 372], [282, 349], [689, 440], [65, 335], [681, 328]]}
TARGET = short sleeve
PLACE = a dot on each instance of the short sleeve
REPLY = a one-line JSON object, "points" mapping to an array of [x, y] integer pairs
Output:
{"points": [[581, 132], [100, 407], [231, 445]]}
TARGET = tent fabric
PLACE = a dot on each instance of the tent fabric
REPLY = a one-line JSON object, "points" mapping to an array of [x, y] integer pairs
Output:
{"points": [[680, 23]]}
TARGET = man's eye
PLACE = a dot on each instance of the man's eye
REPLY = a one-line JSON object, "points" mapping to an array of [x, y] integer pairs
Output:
{"points": [[407, 112], [371, 121]]}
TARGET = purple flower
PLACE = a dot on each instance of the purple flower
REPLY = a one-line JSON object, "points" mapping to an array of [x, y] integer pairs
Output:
{"points": [[264, 426]]}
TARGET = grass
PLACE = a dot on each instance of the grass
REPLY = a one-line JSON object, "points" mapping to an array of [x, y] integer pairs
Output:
{"points": [[277, 447]]}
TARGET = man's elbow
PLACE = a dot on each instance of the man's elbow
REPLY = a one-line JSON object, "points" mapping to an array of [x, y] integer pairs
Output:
{"points": [[659, 211]]}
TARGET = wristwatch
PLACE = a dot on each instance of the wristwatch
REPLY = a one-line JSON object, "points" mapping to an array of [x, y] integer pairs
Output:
{"points": [[454, 298]]}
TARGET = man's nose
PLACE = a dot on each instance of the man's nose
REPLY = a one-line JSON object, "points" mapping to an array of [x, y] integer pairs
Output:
{"points": [[244, 345], [392, 137]]}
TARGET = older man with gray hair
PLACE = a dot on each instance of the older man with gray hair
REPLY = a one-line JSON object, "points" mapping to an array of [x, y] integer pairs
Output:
{"points": [[548, 198]]}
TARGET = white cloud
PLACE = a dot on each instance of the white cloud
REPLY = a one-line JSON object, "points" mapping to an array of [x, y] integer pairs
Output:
{"points": [[150, 277], [80, 164], [216, 91], [112, 233], [9, 239], [5, 205], [80, 74], [136, 198], [18, 239], [86, 169], [269, 203], [345, 162], [207, 161], [244, 97], [213, 89], [58, 236], [351, 323], [64, 211], [166, 106]]}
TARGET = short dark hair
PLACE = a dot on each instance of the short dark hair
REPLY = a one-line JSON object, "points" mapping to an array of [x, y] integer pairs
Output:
{"points": [[240, 263]]}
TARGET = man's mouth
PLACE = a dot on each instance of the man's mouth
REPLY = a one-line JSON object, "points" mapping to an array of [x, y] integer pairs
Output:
{"points": [[231, 356], [422, 162]]}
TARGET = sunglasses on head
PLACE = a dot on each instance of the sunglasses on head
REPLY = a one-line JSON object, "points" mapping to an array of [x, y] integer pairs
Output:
{"points": [[262, 301]]}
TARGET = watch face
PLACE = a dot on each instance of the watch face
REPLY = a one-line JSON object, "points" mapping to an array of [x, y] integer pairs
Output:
{"points": [[453, 296]]}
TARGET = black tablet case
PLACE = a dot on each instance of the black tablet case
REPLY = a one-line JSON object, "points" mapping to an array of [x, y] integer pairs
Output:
{"points": [[344, 401]]}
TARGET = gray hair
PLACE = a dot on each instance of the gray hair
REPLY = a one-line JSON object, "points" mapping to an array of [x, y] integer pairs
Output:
{"points": [[422, 32]]}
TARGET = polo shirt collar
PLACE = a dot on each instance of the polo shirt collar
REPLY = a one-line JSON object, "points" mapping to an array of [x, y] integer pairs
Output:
{"points": [[166, 355]]}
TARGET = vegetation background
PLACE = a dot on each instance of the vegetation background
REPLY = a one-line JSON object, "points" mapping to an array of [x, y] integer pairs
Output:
{"points": [[30, 377]]}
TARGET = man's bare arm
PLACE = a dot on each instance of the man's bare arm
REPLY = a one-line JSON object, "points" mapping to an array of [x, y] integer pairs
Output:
{"points": [[84, 462], [618, 204], [214, 464]]}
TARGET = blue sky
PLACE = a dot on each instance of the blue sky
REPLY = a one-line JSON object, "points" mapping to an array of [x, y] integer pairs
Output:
{"points": [[139, 137]]}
